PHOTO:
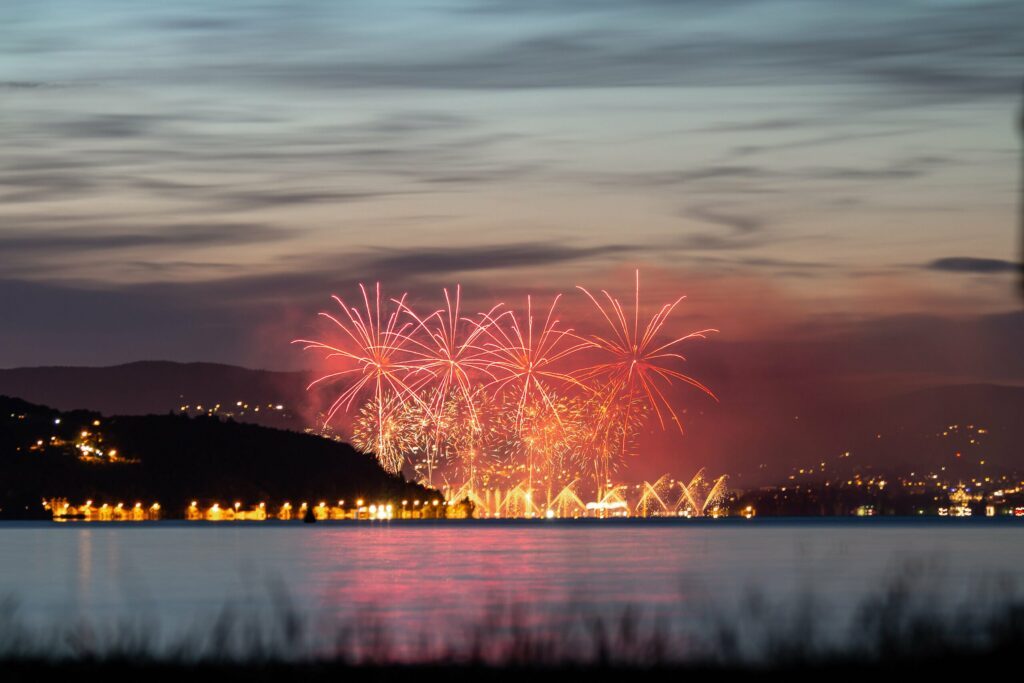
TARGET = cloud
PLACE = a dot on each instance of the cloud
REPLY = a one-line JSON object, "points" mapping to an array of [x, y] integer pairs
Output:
{"points": [[817, 141], [26, 85], [908, 54], [718, 176], [743, 224], [191, 158], [43, 185], [55, 242], [496, 119], [786, 264], [214, 318], [735, 265], [465, 259], [406, 122], [109, 125], [304, 279], [199, 24], [759, 125], [697, 174], [231, 201], [577, 7], [902, 169], [743, 230], [968, 264]]}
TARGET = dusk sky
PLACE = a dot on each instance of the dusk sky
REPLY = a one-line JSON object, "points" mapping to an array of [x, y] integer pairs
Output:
{"points": [[556, 338], [191, 181]]}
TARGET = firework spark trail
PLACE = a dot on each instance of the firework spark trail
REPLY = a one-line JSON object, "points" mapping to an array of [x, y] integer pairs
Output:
{"points": [[699, 495], [386, 431], [610, 433], [450, 356], [446, 389], [525, 362], [545, 433], [475, 450], [450, 435], [447, 359], [638, 361], [375, 358]]}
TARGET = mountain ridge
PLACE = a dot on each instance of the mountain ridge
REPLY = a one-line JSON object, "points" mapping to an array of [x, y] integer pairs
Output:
{"points": [[736, 436]]}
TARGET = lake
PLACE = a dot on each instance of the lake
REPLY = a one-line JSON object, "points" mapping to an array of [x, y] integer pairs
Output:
{"points": [[417, 577]]}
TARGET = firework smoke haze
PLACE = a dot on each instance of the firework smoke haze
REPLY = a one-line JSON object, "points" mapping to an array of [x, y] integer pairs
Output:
{"points": [[417, 383]]}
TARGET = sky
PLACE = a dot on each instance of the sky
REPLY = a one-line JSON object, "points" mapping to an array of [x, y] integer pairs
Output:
{"points": [[826, 181]]}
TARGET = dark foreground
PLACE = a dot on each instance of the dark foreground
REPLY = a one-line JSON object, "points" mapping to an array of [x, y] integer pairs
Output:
{"points": [[896, 633], [952, 667]]}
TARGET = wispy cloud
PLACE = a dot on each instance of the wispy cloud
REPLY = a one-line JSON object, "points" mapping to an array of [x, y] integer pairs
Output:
{"points": [[175, 235], [913, 54], [968, 264], [478, 258], [741, 230]]}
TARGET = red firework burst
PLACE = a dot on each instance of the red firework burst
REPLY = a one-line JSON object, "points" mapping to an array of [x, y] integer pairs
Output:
{"points": [[454, 389], [373, 352], [525, 362], [450, 356], [639, 356]]}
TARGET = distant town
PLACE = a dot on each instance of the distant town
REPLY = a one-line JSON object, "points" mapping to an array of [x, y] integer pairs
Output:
{"points": [[217, 443], [40, 437]]}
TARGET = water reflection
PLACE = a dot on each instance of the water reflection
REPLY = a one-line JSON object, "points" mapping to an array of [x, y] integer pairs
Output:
{"points": [[84, 565], [416, 578]]}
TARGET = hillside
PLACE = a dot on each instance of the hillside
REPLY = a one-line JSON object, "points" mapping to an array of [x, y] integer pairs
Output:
{"points": [[800, 427], [174, 459]]}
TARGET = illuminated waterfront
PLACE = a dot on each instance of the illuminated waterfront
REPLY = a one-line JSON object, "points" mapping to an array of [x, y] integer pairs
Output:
{"points": [[665, 497]]}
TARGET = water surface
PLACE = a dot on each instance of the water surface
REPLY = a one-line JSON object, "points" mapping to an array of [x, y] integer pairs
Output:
{"points": [[431, 576]]}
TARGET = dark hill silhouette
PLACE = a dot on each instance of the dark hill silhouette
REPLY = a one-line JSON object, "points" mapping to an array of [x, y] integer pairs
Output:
{"points": [[733, 436], [174, 459]]}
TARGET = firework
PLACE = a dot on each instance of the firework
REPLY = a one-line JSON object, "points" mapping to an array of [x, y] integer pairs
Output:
{"points": [[475, 449], [447, 358], [541, 436], [700, 495], [387, 430], [449, 353], [501, 397], [372, 354], [526, 360], [638, 358], [613, 427], [452, 436]]}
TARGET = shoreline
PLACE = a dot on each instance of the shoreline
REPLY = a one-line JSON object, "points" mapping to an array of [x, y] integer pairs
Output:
{"points": [[875, 521]]}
